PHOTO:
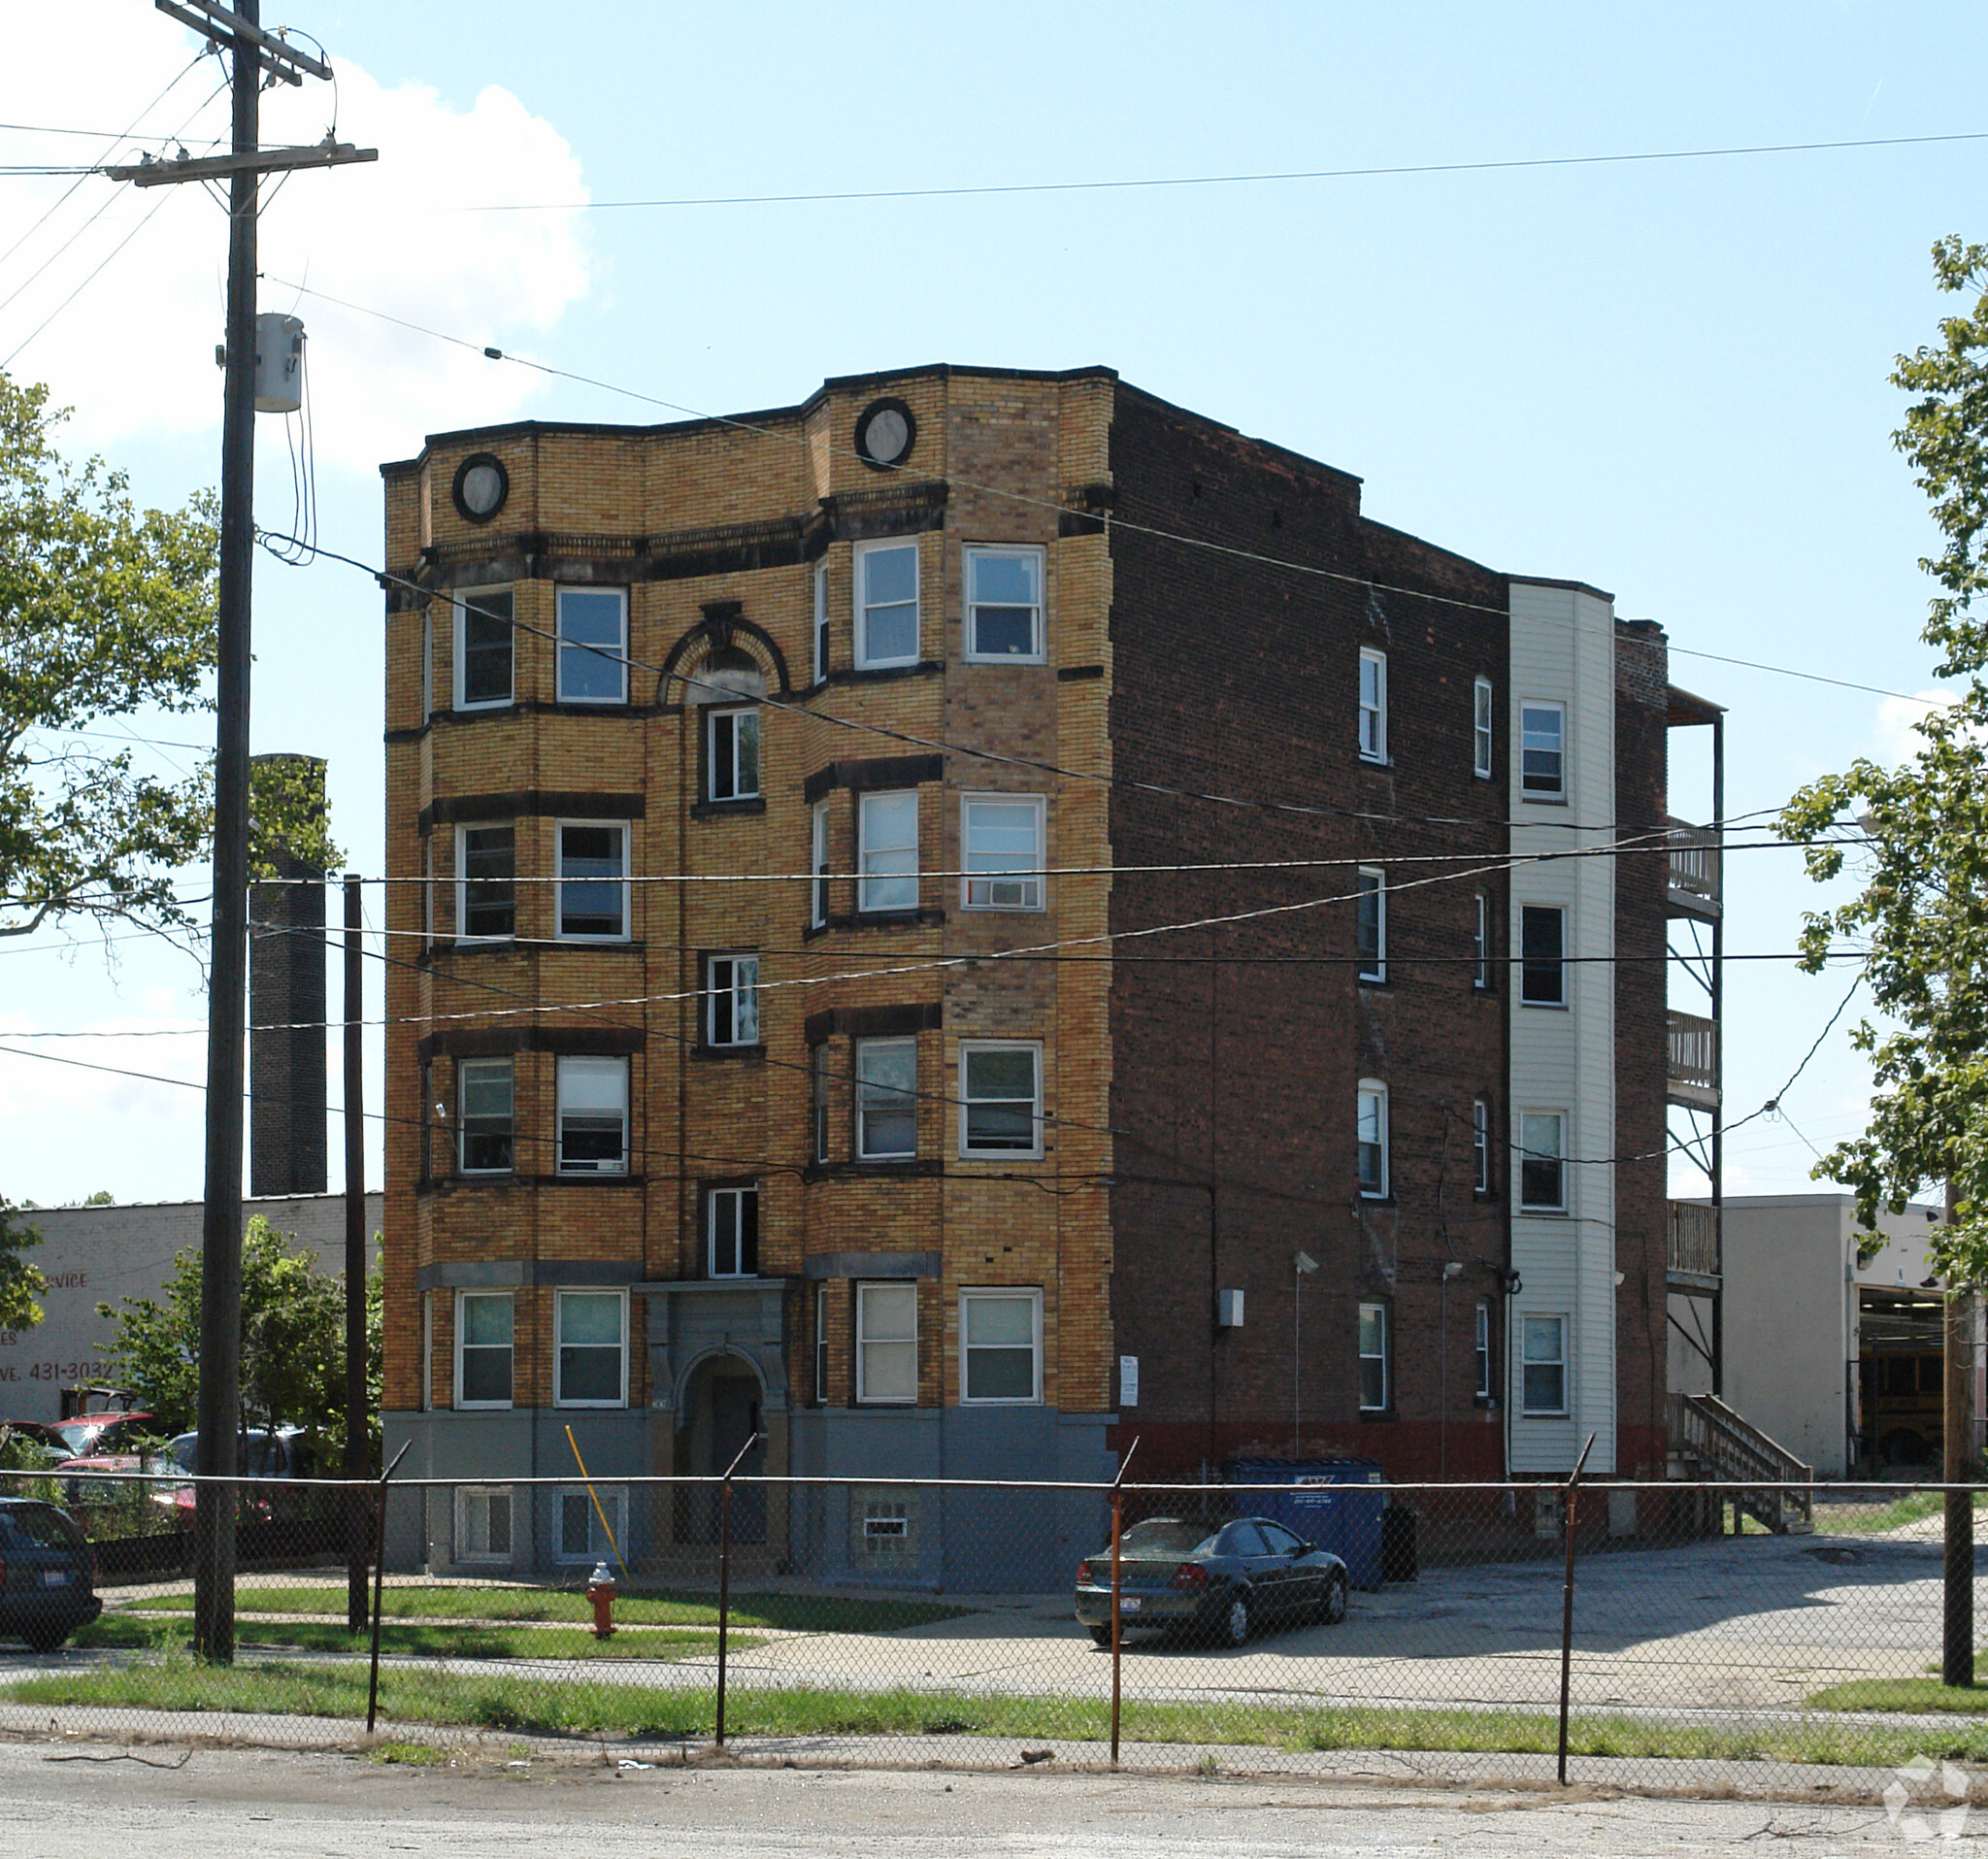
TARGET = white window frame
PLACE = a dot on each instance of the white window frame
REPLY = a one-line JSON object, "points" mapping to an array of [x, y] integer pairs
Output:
{"points": [[817, 865], [974, 552], [428, 891], [1480, 1145], [1480, 945], [427, 662], [821, 1346], [865, 1341], [465, 1496], [745, 719], [613, 1499], [880, 865], [740, 988], [1560, 1361], [1371, 884], [820, 1057], [1373, 701], [592, 652], [967, 1047], [463, 1299], [459, 629], [1379, 1309], [569, 1066], [1559, 1118], [1484, 717], [821, 621], [559, 1297], [427, 1351], [1527, 789], [1481, 1346], [490, 1066], [463, 880], [624, 830], [737, 1197], [866, 553], [1370, 1111], [999, 885], [865, 1047], [1526, 998], [982, 1294]]}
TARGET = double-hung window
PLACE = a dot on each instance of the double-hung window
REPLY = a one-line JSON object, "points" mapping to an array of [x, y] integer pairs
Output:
{"points": [[821, 622], [1001, 1098], [886, 603], [888, 1343], [482, 1348], [1002, 838], [734, 1226], [817, 865], [590, 1364], [1544, 1387], [483, 1113], [593, 645], [1370, 933], [1542, 1160], [1371, 1138], [1481, 1147], [1541, 749], [482, 1524], [1004, 604], [593, 880], [1481, 943], [731, 754], [593, 1116], [484, 649], [1541, 955], [592, 1521], [817, 1096], [486, 891], [731, 992], [1480, 730], [888, 862], [1482, 1348], [1372, 705], [1001, 1346], [886, 1100], [1375, 1365], [821, 1346]]}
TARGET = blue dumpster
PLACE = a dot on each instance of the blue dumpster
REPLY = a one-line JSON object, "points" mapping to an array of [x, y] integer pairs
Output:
{"points": [[1334, 1502]]}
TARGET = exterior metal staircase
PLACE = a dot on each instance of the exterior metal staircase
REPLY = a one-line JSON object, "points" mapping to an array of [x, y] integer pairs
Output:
{"points": [[1714, 1444]]}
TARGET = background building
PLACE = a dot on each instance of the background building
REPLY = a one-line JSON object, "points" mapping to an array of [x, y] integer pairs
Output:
{"points": [[929, 902]]}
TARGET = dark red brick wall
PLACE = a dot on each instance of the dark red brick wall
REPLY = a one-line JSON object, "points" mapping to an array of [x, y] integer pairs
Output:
{"points": [[1641, 879], [1238, 1050]]}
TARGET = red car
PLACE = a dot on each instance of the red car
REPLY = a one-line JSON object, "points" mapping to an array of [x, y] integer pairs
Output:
{"points": [[130, 1497], [88, 1435]]}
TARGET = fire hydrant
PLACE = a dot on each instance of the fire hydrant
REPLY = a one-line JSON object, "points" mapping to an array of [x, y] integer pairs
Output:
{"points": [[599, 1590]]}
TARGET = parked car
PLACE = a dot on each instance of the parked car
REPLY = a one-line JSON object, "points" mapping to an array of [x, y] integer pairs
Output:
{"points": [[262, 1453], [39, 1434], [89, 1434], [48, 1586], [1213, 1581], [131, 1494]]}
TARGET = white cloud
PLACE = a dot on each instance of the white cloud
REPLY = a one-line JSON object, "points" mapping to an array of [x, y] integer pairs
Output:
{"points": [[64, 1085], [1898, 724], [133, 351]]}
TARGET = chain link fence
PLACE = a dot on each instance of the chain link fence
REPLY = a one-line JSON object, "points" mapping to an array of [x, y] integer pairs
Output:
{"points": [[1785, 1639]]}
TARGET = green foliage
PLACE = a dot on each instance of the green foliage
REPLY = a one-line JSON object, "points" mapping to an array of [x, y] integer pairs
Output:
{"points": [[1922, 915], [294, 1349], [20, 1282], [105, 611]]}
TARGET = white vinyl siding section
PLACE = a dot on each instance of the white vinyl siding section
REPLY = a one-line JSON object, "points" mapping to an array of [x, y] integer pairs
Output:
{"points": [[1562, 652]]}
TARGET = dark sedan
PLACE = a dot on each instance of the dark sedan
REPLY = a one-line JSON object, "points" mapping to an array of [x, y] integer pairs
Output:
{"points": [[1211, 1581], [48, 1587]]}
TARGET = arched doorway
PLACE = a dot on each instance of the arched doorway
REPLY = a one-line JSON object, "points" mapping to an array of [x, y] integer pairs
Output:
{"points": [[723, 1405]]}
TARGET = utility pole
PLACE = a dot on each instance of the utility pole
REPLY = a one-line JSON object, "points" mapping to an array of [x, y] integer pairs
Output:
{"points": [[358, 1533], [1958, 1469], [239, 30]]}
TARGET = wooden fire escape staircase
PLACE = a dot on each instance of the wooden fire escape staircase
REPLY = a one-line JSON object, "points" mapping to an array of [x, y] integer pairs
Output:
{"points": [[1710, 1443]]}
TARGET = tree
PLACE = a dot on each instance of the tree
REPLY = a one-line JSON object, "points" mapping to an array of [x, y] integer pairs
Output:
{"points": [[1922, 913], [20, 1282], [293, 1343], [107, 612]]}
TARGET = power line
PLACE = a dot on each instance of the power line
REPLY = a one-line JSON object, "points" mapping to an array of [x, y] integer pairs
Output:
{"points": [[1225, 181]]}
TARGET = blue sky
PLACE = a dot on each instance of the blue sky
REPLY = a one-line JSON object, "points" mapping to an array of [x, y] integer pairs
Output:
{"points": [[1667, 378]]}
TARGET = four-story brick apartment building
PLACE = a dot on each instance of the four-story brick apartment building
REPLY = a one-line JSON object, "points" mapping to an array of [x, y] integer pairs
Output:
{"points": [[936, 908]]}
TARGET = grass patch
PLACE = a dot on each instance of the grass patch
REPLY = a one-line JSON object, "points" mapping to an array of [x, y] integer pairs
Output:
{"points": [[1903, 1694], [492, 1701], [136, 1632], [413, 1755], [787, 1612], [1915, 1507]]}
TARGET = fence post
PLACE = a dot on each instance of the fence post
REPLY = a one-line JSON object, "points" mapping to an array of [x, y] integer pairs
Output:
{"points": [[1572, 1504], [725, 1578], [1117, 1616], [379, 1582]]}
